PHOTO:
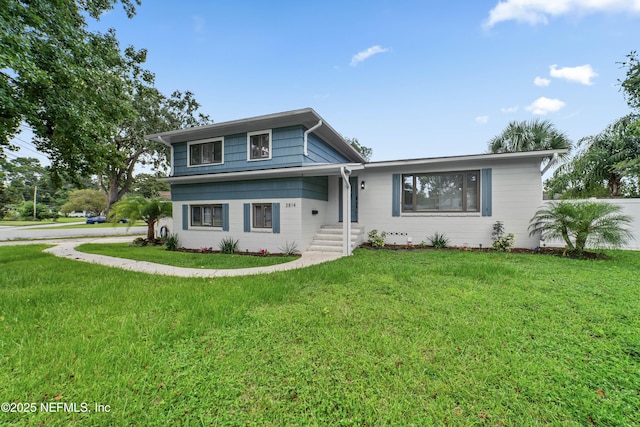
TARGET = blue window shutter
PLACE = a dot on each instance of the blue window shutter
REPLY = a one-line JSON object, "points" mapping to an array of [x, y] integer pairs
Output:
{"points": [[225, 217], [486, 192], [395, 194], [275, 217], [247, 217], [185, 217]]}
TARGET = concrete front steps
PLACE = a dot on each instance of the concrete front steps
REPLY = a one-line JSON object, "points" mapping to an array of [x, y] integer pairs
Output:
{"points": [[329, 238]]}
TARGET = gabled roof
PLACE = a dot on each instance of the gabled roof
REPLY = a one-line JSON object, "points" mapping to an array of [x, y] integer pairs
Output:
{"points": [[306, 117]]}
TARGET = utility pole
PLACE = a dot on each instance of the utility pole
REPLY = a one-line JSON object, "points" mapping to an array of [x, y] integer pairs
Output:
{"points": [[35, 194]]}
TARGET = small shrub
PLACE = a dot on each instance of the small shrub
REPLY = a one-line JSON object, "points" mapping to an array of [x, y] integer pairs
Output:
{"points": [[139, 241], [264, 252], [228, 245], [439, 240], [289, 249], [42, 211], [172, 241], [377, 241], [501, 242], [11, 215]]}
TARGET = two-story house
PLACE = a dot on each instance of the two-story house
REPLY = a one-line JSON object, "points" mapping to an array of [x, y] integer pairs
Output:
{"points": [[290, 177]]}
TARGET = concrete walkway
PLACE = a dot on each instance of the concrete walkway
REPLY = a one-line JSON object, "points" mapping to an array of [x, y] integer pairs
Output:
{"points": [[66, 249]]}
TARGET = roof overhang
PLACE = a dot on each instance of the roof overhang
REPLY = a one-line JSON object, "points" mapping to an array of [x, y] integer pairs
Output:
{"points": [[306, 117], [465, 158], [298, 171]]}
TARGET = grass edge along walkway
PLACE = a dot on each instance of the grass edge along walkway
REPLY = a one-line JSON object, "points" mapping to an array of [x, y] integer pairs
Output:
{"points": [[66, 249]]}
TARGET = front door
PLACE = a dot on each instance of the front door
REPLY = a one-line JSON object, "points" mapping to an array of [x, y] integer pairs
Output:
{"points": [[354, 199]]}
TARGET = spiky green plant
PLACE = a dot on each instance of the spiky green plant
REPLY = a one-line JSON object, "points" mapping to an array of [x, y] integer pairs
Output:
{"points": [[582, 224], [172, 242], [438, 240], [228, 245], [289, 249]]}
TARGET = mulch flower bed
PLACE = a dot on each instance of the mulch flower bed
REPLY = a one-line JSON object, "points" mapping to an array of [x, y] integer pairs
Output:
{"points": [[538, 251], [212, 251]]}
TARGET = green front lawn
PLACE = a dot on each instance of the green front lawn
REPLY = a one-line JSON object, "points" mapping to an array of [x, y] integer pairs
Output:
{"points": [[379, 338], [42, 222], [104, 225], [160, 255]]}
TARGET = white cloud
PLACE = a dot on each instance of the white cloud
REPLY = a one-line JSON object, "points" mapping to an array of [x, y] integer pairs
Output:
{"points": [[510, 109], [581, 74], [542, 82], [366, 54], [543, 106], [483, 120], [535, 12]]}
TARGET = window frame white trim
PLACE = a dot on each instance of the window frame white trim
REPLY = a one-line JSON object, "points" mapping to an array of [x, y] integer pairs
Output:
{"points": [[205, 141], [260, 132]]}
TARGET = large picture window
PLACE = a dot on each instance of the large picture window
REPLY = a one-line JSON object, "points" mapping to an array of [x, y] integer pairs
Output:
{"points": [[441, 192], [262, 215], [259, 145], [206, 215], [206, 153]]}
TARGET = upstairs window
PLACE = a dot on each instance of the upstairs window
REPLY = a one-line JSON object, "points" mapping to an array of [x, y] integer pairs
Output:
{"points": [[208, 152], [259, 145], [441, 192]]}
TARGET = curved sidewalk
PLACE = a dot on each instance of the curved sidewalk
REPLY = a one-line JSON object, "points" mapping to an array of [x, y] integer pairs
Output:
{"points": [[66, 249]]}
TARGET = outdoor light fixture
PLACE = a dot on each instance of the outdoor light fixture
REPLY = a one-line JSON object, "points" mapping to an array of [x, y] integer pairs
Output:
{"points": [[362, 185]]}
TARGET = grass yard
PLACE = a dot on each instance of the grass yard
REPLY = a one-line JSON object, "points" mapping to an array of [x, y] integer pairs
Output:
{"points": [[42, 222], [379, 338], [104, 225], [159, 255]]}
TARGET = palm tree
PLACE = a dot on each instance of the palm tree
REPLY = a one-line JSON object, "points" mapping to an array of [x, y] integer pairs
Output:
{"points": [[604, 160], [532, 135], [578, 224], [138, 208]]}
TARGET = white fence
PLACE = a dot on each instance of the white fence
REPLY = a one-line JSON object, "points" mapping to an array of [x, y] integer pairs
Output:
{"points": [[630, 207]]}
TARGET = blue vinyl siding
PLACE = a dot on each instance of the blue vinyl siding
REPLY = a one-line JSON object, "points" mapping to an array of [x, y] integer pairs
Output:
{"points": [[286, 148], [315, 188], [287, 151], [319, 152]]}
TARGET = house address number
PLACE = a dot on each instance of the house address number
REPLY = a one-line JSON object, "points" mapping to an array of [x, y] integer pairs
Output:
{"points": [[290, 205]]}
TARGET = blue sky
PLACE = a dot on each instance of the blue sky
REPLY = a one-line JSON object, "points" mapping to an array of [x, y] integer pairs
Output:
{"points": [[407, 78]]}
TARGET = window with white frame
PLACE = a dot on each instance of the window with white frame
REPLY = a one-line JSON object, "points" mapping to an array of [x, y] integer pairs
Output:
{"points": [[262, 215], [206, 215], [209, 152], [441, 192], [259, 145]]}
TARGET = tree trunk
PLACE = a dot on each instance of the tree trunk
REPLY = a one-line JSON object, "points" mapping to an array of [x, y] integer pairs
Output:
{"points": [[151, 230], [112, 193], [614, 184]]}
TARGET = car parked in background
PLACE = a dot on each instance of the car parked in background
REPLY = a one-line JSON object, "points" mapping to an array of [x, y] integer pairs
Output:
{"points": [[102, 219], [96, 220]]}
